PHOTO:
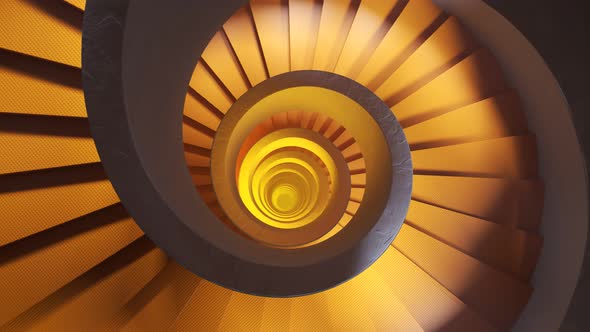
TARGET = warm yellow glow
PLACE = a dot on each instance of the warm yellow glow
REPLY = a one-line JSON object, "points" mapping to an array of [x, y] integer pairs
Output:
{"points": [[308, 178], [286, 198], [289, 177], [299, 179], [272, 143], [238, 125]]}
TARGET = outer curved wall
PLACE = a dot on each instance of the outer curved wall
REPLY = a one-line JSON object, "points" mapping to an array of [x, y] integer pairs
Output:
{"points": [[562, 166]]}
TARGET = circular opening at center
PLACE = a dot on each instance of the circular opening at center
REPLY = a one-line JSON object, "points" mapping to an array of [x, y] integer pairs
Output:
{"points": [[321, 136], [285, 198]]}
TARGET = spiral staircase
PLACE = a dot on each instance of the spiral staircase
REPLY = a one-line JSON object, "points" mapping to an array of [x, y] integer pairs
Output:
{"points": [[73, 259]]}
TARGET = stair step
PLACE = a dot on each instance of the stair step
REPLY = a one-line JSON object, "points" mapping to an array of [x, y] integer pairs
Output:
{"points": [[506, 157], [475, 78]]}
